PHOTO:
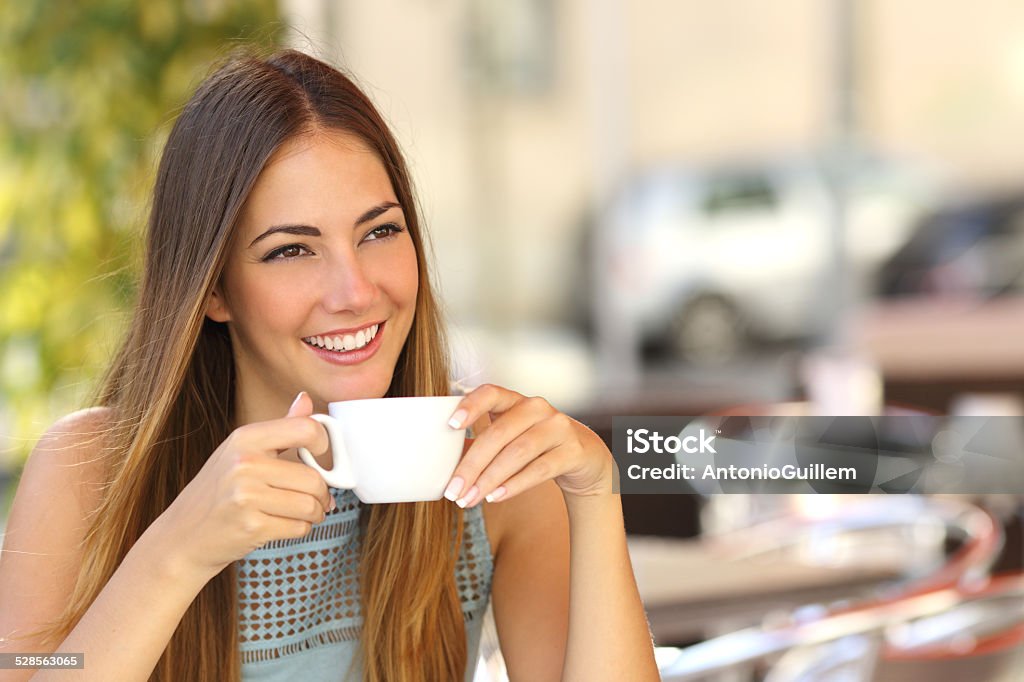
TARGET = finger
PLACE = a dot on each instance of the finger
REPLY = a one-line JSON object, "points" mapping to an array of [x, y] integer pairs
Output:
{"points": [[281, 528], [480, 401], [511, 425], [299, 478], [527, 413], [512, 459], [480, 425], [536, 472], [302, 406], [274, 436], [289, 504]]}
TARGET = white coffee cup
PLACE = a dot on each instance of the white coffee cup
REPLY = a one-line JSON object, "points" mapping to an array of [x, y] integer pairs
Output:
{"points": [[391, 449]]}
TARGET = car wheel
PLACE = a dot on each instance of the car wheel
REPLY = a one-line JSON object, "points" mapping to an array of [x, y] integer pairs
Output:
{"points": [[708, 331]]}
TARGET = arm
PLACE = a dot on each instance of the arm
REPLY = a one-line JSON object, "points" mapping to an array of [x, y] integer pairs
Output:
{"points": [[41, 546], [566, 604], [609, 637], [565, 599], [243, 497], [126, 629], [530, 587], [128, 626]]}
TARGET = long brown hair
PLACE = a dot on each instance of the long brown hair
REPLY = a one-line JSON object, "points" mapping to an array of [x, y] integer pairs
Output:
{"points": [[171, 385]]}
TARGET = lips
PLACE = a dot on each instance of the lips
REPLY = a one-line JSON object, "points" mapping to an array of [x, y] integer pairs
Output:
{"points": [[364, 343], [341, 341]]}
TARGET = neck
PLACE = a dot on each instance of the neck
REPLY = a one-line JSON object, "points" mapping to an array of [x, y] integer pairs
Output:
{"points": [[260, 404], [257, 402]]}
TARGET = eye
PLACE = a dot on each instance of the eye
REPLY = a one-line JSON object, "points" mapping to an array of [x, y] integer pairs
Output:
{"points": [[383, 232], [286, 252]]}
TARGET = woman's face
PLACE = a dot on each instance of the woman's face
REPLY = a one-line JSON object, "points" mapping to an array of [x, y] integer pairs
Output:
{"points": [[320, 284]]}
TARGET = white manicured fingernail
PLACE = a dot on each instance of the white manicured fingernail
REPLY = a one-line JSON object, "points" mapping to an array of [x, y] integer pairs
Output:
{"points": [[456, 421], [468, 497], [296, 401], [496, 494], [454, 488]]}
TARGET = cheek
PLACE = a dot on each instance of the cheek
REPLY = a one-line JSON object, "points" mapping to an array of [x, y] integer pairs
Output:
{"points": [[399, 276], [410, 279], [270, 302]]}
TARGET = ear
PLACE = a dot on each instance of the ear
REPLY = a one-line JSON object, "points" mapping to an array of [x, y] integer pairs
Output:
{"points": [[216, 306]]}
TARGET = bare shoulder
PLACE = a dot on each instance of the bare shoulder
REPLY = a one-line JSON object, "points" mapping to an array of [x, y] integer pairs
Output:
{"points": [[74, 431], [72, 451], [60, 486], [62, 481]]}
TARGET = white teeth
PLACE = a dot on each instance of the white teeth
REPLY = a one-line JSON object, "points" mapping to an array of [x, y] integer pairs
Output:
{"points": [[346, 342]]}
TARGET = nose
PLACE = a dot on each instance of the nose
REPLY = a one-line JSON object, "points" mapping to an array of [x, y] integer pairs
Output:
{"points": [[348, 286]]}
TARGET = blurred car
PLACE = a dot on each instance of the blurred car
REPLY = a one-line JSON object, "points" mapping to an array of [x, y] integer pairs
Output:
{"points": [[969, 248], [708, 259]]}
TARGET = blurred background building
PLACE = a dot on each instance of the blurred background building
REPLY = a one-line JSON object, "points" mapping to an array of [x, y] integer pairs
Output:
{"points": [[626, 199], [624, 195], [643, 207]]}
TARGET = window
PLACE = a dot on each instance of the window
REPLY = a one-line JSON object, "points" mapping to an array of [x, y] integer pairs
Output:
{"points": [[739, 193]]}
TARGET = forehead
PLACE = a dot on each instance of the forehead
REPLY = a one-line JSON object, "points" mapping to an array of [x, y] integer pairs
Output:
{"points": [[318, 178]]}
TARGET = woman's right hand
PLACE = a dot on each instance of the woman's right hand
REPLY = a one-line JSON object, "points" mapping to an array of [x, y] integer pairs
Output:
{"points": [[245, 496]]}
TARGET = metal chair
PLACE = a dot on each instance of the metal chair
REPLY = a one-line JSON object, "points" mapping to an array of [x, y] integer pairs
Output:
{"points": [[870, 639], [885, 636], [834, 536]]}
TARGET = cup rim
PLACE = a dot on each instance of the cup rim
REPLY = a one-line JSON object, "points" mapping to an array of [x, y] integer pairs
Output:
{"points": [[407, 398]]}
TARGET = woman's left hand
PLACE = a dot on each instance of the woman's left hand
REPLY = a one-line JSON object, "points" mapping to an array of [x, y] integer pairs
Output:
{"points": [[527, 443]]}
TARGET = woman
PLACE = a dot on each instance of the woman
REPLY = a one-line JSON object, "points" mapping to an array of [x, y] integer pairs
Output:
{"points": [[194, 543]]}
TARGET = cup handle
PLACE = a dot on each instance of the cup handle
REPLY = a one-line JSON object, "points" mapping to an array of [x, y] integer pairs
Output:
{"points": [[341, 475]]}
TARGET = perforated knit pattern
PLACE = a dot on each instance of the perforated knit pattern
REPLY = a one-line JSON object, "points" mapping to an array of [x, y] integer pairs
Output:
{"points": [[299, 595]]}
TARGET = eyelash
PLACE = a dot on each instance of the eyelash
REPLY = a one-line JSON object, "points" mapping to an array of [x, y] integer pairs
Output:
{"points": [[391, 229]]}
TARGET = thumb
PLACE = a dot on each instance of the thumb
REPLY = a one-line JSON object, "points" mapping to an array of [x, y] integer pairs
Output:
{"points": [[302, 406]]}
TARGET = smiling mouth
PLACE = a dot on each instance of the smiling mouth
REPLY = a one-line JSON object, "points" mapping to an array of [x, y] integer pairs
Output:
{"points": [[345, 342]]}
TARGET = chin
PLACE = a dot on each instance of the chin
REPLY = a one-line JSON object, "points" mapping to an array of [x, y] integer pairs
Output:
{"points": [[362, 391]]}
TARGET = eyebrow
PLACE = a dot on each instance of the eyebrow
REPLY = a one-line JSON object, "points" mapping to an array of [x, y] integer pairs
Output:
{"points": [[374, 212], [303, 230], [310, 231]]}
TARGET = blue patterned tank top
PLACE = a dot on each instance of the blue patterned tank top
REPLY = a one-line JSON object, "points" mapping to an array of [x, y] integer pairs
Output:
{"points": [[299, 608]]}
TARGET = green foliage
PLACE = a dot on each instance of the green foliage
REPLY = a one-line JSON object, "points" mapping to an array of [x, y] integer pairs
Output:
{"points": [[88, 89]]}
